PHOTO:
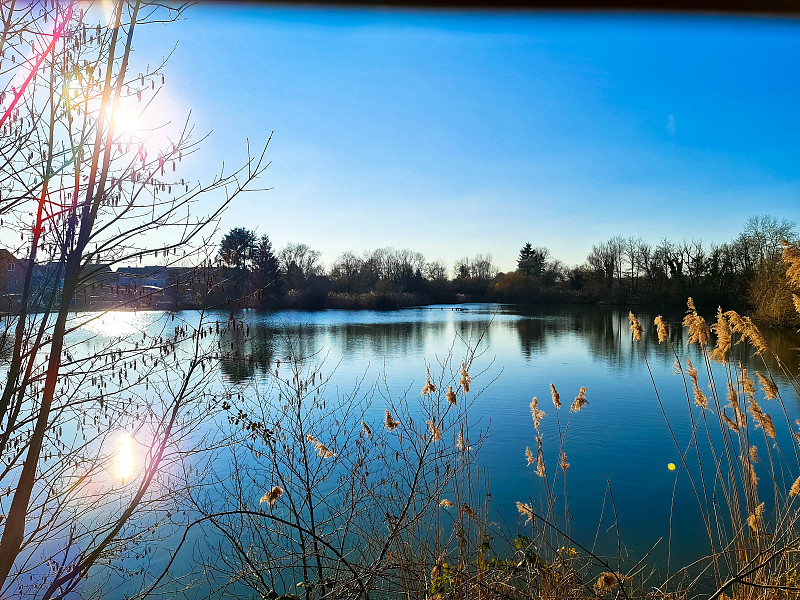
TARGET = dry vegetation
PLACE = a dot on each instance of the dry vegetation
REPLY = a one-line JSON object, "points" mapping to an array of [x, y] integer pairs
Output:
{"points": [[353, 505]]}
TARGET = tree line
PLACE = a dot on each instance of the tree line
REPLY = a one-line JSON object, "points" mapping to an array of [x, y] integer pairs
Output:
{"points": [[746, 272]]}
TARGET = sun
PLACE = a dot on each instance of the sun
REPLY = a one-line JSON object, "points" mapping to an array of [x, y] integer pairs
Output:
{"points": [[126, 122]]}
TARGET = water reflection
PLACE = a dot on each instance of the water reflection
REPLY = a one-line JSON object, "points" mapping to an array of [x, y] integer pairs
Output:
{"points": [[245, 351], [248, 349]]}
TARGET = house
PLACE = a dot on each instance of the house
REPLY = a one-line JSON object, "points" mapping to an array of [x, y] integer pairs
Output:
{"points": [[12, 280]]}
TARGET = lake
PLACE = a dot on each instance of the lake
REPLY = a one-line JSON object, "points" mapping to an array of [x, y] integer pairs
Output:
{"points": [[619, 439], [618, 445]]}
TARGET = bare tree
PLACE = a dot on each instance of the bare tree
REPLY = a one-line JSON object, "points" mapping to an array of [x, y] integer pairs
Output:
{"points": [[84, 195], [334, 497]]}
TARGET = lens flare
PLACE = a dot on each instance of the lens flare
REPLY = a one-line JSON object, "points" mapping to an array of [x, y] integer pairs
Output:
{"points": [[125, 458]]}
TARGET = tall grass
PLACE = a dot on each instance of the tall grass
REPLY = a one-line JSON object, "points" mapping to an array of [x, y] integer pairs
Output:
{"points": [[742, 469]]}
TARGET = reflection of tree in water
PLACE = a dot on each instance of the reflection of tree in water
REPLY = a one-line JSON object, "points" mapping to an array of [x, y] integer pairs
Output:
{"points": [[245, 350], [606, 333], [250, 349], [533, 334], [298, 340], [472, 330], [405, 338], [608, 338]]}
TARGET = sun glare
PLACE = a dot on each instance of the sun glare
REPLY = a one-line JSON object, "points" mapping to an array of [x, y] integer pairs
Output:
{"points": [[114, 324], [126, 122], [125, 458]]}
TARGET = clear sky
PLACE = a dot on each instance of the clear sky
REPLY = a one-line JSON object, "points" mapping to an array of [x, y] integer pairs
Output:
{"points": [[454, 133]]}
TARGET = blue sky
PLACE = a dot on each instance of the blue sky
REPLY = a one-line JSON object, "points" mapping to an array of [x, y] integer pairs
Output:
{"points": [[454, 133]]}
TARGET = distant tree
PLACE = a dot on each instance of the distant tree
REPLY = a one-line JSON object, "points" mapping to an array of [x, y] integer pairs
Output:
{"points": [[266, 274], [760, 241], [461, 268], [236, 248], [345, 273], [525, 255], [482, 269], [532, 261], [299, 261], [436, 270]]}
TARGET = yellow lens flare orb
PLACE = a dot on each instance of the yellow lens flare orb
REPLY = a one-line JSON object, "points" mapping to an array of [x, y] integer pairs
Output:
{"points": [[671, 466], [124, 458]]}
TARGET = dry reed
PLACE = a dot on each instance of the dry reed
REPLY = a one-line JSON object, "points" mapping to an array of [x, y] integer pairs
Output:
{"points": [[769, 387], [537, 414], [580, 400], [450, 395], [661, 328], [555, 396], [722, 329], [271, 497], [390, 423], [636, 327], [465, 379]]}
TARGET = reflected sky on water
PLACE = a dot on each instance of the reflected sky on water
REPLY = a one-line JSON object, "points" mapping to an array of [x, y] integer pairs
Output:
{"points": [[619, 441]]}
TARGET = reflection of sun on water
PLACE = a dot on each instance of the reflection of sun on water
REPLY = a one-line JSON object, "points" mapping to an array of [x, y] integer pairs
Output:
{"points": [[114, 324], [125, 458]]}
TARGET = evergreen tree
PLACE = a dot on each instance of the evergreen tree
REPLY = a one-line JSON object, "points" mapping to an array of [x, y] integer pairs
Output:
{"points": [[524, 256], [266, 273], [532, 261], [236, 248]]}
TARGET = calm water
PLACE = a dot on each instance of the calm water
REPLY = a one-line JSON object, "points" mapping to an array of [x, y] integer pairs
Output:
{"points": [[620, 437], [618, 441]]}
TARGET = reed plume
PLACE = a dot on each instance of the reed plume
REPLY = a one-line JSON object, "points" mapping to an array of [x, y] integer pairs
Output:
{"points": [[607, 582], [731, 425], [751, 474], [698, 329], [580, 400], [529, 455], [736, 321], [564, 464], [722, 329], [762, 419], [755, 519], [322, 449], [636, 327], [450, 395], [699, 397], [436, 433], [367, 430], [661, 328], [770, 389], [795, 491], [754, 336], [540, 471], [791, 256], [465, 379], [537, 414], [390, 423], [446, 503], [748, 387], [429, 388], [526, 511], [271, 497], [555, 396], [733, 402]]}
